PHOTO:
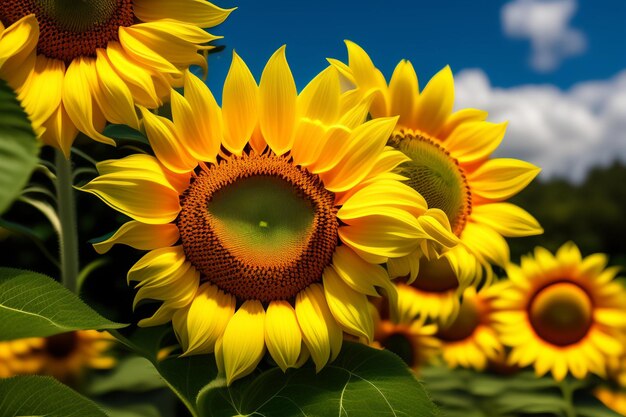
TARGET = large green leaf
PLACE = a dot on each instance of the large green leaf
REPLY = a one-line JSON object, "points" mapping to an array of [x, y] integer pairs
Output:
{"points": [[362, 381], [32, 304], [43, 396], [18, 147]]}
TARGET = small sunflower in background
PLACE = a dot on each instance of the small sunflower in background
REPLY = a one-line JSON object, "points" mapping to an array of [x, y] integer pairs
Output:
{"points": [[470, 340], [64, 356], [266, 220], [413, 340], [451, 167], [95, 59], [562, 313], [612, 398]]}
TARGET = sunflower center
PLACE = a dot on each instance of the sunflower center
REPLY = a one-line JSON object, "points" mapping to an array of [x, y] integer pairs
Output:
{"points": [[464, 324], [61, 345], [400, 344], [258, 227], [71, 28], [561, 313], [436, 176], [435, 276]]}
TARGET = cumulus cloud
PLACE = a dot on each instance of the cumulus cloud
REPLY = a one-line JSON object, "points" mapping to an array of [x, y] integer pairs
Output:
{"points": [[563, 132], [546, 25]]}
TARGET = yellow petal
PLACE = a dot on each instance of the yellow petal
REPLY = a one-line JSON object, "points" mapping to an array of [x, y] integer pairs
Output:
{"points": [[282, 334], [277, 103], [485, 243], [435, 103], [78, 100], [141, 53], [198, 12], [320, 332], [365, 145], [115, 98], [138, 78], [360, 275], [499, 179], [18, 37], [145, 200], [162, 135], [308, 142], [207, 318], [140, 236], [474, 141], [406, 266], [48, 76], [319, 100], [198, 119], [403, 91], [368, 78], [507, 219], [349, 307], [60, 131], [460, 117], [239, 106], [243, 343]]}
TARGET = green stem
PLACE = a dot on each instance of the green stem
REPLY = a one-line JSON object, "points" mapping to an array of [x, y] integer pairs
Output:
{"points": [[567, 390], [66, 207]]}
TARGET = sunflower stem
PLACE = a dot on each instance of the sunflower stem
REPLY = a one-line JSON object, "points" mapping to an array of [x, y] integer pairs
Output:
{"points": [[68, 236], [567, 390]]}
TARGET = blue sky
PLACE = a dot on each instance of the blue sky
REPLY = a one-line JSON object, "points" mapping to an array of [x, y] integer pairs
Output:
{"points": [[556, 69]]}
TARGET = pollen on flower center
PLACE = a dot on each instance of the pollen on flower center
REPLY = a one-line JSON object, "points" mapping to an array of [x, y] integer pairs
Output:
{"points": [[561, 313], [71, 28], [436, 176], [258, 227]]}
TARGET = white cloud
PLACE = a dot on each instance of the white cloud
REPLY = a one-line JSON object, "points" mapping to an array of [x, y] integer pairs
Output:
{"points": [[563, 132], [546, 25]]}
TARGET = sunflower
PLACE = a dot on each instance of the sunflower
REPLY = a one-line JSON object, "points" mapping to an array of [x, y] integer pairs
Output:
{"points": [[95, 59], [450, 165], [613, 399], [562, 313], [411, 339], [64, 356], [266, 220], [470, 341]]}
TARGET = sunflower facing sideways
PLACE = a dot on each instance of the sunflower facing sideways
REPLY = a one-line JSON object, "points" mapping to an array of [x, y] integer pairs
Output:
{"points": [[266, 220], [95, 59], [450, 166], [562, 313], [64, 356]]}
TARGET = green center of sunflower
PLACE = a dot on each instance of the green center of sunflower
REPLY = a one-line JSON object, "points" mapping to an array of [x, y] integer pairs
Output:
{"points": [[435, 276], [61, 345], [465, 323], [258, 227], [561, 313], [436, 176], [71, 28]]}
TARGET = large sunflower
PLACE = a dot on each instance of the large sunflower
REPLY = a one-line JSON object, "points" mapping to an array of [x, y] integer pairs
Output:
{"points": [[450, 165], [470, 340], [64, 356], [562, 313], [267, 219], [94, 59]]}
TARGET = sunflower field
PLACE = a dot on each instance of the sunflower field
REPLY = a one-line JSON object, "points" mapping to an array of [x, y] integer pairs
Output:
{"points": [[355, 247]]}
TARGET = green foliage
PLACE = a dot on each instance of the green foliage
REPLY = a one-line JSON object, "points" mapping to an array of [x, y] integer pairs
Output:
{"points": [[33, 304], [43, 396], [18, 147], [463, 392], [591, 214], [124, 133], [362, 381]]}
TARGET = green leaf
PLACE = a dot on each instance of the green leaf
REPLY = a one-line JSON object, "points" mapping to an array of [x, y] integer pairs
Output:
{"points": [[18, 147], [32, 304], [133, 374], [43, 396], [362, 381], [145, 341], [123, 132]]}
